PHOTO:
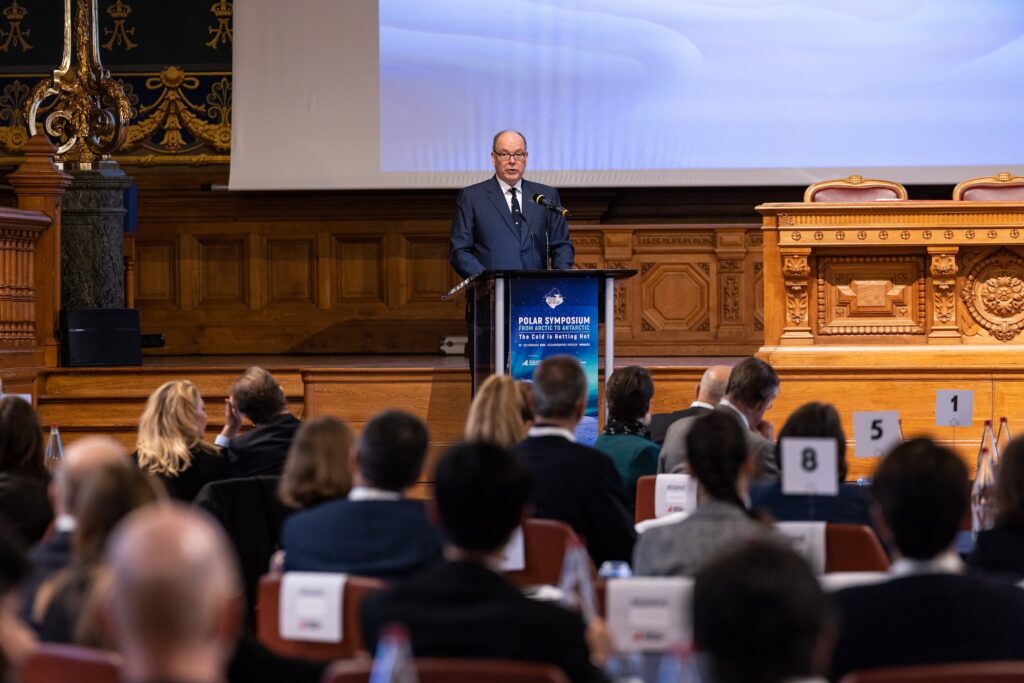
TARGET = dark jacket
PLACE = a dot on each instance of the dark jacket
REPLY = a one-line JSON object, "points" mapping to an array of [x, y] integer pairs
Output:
{"points": [[387, 539], [261, 451], [463, 609], [999, 550], [580, 486], [207, 465], [850, 506], [25, 506], [660, 422], [49, 557]]}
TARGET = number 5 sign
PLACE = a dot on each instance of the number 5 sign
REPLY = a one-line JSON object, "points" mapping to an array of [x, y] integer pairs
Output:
{"points": [[875, 433]]}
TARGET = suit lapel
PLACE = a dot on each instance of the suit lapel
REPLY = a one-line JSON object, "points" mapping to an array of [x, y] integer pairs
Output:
{"points": [[498, 200]]}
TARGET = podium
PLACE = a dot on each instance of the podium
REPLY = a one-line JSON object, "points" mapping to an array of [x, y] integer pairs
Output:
{"points": [[518, 317]]}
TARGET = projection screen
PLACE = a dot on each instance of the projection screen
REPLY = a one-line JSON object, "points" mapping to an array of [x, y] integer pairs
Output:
{"points": [[335, 94]]}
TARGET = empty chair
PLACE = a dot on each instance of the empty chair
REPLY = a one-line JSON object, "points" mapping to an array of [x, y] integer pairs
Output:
{"points": [[57, 662], [966, 672], [854, 189], [1001, 187], [454, 671], [545, 541], [268, 611], [853, 548], [645, 498]]}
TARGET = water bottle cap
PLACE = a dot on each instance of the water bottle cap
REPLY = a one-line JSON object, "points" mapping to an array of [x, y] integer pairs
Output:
{"points": [[395, 630], [53, 425]]}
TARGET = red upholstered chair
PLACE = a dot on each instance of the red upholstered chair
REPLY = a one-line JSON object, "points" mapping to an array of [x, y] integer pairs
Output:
{"points": [[54, 662], [853, 548], [268, 609], [454, 671], [854, 189], [966, 672], [1002, 187], [545, 541], [645, 498]]}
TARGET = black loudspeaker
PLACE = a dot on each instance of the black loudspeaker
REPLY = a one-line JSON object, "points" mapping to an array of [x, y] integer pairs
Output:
{"points": [[102, 336]]}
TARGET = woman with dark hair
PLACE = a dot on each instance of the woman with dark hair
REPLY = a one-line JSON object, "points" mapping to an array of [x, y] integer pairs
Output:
{"points": [[317, 468], [1001, 548], [24, 499], [718, 457], [849, 506], [627, 439]]}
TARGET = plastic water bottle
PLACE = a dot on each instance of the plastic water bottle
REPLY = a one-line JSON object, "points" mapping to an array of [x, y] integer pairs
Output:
{"points": [[615, 569], [625, 667], [982, 499], [54, 456], [393, 662]]}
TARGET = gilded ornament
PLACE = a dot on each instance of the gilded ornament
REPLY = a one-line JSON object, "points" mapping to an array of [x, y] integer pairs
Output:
{"points": [[173, 114], [119, 35], [15, 36], [223, 34]]}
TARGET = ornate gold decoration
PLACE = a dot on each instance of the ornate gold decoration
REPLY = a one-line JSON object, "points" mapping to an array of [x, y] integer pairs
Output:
{"points": [[85, 128], [13, 135], [173, 113], [14, 36], [993, 293], [223, 34], [119, 12]]}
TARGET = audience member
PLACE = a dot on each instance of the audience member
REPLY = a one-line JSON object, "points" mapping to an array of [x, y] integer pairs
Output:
{"points": [[82, 458], [176, 613], [17, 642], [375, 531], [626, 441], [464, 607], [261, 451], [753, 385], [496, 414], [760, 616], [576, 484], [928, 612], [849, 506], [24, 501], [108, 494], [170, 444], [1001, 549], [709, 391], [720, 461], [317, 469]]}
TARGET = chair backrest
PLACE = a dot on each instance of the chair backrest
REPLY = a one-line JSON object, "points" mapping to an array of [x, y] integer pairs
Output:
{"points": [[431, 670], [57, 662], [1002, 187], [853, 548], [545, 541], [960, 672], [268, 611], [854, 189], [645, 497]]}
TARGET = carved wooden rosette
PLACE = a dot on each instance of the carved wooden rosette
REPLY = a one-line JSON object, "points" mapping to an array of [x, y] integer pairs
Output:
{"points": [[993, 293], [796, 272], [944, 269]]}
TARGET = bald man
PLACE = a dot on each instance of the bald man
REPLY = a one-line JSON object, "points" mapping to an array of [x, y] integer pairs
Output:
{"points": [[82, 458], [708, 392], [177, 611]]}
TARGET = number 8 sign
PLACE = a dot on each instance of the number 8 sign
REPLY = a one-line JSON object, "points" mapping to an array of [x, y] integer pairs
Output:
{"points": [[809, 466]]}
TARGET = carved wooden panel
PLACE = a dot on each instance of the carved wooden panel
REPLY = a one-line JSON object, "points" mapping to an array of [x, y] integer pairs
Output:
{"points": [[427, 273], [291, 270], [868, 295], [359, 270], [676, 296], [157, 271], [223, 270], [993, 295]]}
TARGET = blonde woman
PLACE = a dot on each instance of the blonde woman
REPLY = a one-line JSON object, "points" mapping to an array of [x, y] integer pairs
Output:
{"points": [[497, 414], [170, 444]]}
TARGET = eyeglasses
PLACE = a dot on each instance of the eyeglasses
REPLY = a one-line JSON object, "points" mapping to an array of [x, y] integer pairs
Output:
{"points": [[505, 156]]}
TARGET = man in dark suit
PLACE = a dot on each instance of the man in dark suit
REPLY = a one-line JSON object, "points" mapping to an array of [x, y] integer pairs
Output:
{"points": [[375, 531], [929, 612], [576, 484], [82, 459], [497, 225], [464, 607], [709, 392], [260, 451], [753, 386]]}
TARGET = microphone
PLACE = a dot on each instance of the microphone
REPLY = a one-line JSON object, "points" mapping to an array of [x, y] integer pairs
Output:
{"points": [[550, 205]]}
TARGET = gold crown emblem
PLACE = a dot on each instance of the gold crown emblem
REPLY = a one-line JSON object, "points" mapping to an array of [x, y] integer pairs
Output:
{"points": [[119, 10], [222, 10], [15, 12]]}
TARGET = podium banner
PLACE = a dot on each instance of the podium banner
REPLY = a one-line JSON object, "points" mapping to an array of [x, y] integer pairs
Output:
{"points": [[552, 316]]}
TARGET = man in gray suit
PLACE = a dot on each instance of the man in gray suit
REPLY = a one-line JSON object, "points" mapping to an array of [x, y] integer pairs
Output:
{"points": [[753, 385]]}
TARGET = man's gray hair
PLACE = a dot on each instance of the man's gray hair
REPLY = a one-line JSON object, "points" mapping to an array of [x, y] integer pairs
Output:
{"points": [[558, 387], [494, 141]]}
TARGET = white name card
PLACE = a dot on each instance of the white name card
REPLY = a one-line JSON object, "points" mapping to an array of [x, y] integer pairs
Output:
{"points": [[837, 581], [513, 557], [649, 614], [809, 466], [310, 606], [808, 539], [674, 493], [875, 433], [954, 407]]}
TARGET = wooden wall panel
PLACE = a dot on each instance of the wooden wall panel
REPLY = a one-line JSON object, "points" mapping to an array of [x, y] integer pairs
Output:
{"points": [[360, 269], [156, 263], [291, 270], [223, 270]]}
